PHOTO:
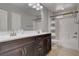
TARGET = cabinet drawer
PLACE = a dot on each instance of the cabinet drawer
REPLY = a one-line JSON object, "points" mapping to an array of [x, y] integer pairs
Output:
{"points": [[42, 37], [15, 52]]}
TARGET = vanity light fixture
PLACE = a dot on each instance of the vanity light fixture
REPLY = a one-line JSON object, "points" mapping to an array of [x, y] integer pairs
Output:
{"points": [[37, 6], [41, 7]]}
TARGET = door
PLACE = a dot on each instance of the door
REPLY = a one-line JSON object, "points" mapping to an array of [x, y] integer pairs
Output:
{"points": [[68, 30]]}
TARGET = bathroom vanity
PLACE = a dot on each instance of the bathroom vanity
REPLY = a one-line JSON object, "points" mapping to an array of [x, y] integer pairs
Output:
{"points": [[36, 45]]}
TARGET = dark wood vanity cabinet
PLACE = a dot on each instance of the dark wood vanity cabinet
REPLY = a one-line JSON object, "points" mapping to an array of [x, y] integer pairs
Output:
{"points": [[32, 46]]}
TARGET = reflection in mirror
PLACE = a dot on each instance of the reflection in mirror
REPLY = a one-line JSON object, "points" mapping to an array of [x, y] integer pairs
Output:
{"points": [[17, 17], [3, 20]]}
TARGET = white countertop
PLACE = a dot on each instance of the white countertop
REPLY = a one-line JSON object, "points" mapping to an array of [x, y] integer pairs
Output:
{"points": [[5, 38]]}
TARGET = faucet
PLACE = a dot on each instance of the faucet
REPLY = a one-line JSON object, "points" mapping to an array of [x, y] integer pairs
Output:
{"points": [[39, 31], [13, 34]]}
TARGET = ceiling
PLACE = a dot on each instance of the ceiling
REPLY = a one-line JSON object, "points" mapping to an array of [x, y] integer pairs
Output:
{"points": [[58, 7], [54, 7], [25, 7], [21, 6]]}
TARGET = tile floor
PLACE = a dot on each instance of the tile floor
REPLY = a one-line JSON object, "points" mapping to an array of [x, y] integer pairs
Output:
{"points": [[59, 51]]}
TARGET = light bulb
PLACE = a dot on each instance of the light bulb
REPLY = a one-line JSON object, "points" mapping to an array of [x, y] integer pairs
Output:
{"points": [[30, 4], [37, 8], [34, 6], [38, 4], [41, 7]]}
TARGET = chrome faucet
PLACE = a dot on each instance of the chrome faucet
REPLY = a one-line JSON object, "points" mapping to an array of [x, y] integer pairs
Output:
{"points": [[13, 34]]}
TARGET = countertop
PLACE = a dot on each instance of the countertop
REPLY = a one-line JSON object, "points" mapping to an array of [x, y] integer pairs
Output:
{"points": [[18, 36]]}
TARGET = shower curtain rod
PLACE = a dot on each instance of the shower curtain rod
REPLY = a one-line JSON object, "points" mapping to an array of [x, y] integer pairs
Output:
{"points": [[67, 13]]}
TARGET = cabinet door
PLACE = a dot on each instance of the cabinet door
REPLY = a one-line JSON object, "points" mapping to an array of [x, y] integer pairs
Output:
{"points": [[39, 51], [28, 50], [39, 48], [15, 52], [49, 43], [45, 46]]}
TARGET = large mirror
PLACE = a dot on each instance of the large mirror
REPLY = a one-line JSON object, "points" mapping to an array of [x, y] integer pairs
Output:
{"points": [[18, 17]]}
